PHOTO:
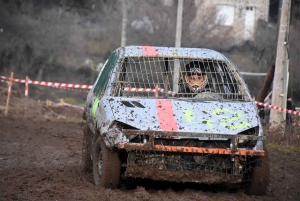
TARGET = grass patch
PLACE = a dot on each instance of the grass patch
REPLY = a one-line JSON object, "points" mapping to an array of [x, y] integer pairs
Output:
{"points": [[283, 148], [73, 101], [286, 138], [74, 120]]}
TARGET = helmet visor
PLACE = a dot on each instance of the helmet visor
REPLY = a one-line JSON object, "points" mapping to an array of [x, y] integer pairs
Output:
{"points": [[195, 71]]}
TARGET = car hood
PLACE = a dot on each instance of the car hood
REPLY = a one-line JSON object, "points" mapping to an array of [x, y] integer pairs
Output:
{"points": [[176, 115]]}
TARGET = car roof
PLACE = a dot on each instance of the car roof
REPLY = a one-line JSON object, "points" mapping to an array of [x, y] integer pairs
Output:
{"points": [[180, 52]]}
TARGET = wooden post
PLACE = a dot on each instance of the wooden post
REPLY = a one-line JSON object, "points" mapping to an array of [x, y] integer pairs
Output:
{"points": [[281, 66], [9, 92], [26, 87]]}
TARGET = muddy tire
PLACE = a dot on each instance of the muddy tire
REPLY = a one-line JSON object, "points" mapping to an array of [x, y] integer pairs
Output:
{"points": [[106, 166], [260, 176], [87, 163]]}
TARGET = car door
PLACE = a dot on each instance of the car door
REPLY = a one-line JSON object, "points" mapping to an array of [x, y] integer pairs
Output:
{"points": [[98, 89]]}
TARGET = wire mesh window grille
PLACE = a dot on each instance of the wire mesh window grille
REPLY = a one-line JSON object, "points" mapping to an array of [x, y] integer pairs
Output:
{"points": [[165, 77]]}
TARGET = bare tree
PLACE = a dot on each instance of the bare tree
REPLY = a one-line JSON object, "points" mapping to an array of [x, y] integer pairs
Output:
{"points": [[207, 30], [153, 23], [38, 36]]}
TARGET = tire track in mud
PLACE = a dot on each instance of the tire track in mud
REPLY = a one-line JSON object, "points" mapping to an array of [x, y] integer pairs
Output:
{"points": [[41, 160]]}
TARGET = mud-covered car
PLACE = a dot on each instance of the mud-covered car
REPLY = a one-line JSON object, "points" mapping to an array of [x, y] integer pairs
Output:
{"points": [[173, 114]]}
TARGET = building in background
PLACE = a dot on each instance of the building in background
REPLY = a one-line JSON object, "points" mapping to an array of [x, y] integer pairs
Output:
{"points": [[241, 15]]}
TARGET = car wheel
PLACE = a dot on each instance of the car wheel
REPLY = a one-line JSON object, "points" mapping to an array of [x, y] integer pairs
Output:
{"points": [[106, 166], [87, 162], [260, 176]]}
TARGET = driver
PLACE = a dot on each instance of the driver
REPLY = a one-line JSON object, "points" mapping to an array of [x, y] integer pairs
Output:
{"points": [[195, 77]]}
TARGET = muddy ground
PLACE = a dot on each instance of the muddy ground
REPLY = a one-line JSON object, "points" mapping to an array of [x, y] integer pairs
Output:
{"points": [[40, 159]]}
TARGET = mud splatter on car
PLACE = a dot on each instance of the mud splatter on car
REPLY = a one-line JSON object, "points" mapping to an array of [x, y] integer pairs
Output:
{"points": [[173, 114]]}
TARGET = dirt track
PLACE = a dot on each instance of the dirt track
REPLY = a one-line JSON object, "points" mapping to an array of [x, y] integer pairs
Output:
{"points": [[40, 160]]}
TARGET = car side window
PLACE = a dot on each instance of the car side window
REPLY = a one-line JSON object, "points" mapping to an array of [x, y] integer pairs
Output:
{"points": [[105, 74]]}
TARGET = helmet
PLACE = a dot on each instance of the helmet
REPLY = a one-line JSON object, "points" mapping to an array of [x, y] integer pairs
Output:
{"points": [[195, 76]]}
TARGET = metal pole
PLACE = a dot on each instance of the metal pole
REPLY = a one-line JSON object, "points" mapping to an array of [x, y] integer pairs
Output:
{"points": [[281, 67], [124, 23], [179, 23], [177, 44]]}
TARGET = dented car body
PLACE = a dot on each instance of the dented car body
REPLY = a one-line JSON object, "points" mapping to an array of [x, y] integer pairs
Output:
{"points": [[141, 122]]}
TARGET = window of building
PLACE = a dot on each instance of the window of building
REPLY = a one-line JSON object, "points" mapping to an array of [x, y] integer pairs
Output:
{"points": [[225, 15]]}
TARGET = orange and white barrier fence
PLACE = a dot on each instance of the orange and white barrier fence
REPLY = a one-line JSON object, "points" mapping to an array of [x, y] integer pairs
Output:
{"points": [[173, 93], [81, 86], [26, 86], [50, 84], [74, 87], [278, 108]]}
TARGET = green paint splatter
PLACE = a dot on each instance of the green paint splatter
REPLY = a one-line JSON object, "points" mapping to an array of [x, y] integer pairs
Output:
{"points": [[95, 106], [229, 120]]}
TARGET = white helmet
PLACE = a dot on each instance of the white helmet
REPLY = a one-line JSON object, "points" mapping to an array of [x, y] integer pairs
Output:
{"points": [[195, 76]]}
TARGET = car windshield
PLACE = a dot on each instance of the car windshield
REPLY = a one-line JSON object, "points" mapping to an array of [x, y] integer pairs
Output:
{"points": [[164, 77]]}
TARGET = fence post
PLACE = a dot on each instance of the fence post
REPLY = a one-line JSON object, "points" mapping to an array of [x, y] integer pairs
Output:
{"points": [[26, 87], [9, 91]]}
